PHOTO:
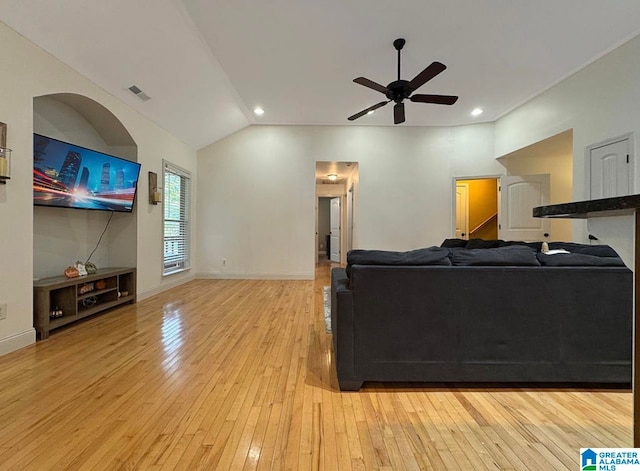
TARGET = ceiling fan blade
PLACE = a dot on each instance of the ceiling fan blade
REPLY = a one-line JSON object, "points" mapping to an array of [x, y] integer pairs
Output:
{"points": [[371, 84], [398, 113], [427, 74], [364, 112], [436, 99]]}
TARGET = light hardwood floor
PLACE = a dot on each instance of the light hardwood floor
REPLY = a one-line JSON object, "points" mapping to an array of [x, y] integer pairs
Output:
{"points": [[237, 374]]}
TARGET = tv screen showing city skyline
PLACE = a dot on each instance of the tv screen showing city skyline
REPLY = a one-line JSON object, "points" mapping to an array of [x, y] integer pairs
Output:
{"points": [[70, 176]]}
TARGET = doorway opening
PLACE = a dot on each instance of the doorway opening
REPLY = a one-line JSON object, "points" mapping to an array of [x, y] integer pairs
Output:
{"points": [[324, 228], [476, 208], [552, 157], [336, 201], [536, 175]]}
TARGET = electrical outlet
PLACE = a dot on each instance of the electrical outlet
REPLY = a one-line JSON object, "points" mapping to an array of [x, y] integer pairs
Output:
{"points": [[3, 311], [224, 262]]}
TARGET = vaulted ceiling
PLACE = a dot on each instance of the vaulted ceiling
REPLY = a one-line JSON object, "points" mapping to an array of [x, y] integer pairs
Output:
{"points": [[207, 63]]}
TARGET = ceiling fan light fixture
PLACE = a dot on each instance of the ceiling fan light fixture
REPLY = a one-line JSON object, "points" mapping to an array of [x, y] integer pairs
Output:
{"points": [[371, 111], [332, 176], [258, 111], [477, 112]]}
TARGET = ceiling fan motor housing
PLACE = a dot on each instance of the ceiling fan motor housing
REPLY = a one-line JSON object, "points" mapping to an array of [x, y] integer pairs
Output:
{"points": [[398, 90]]}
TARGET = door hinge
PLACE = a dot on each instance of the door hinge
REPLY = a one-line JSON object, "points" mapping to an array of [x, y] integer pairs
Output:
{"points": [[627, 158], [499, 226], [499, 188]]}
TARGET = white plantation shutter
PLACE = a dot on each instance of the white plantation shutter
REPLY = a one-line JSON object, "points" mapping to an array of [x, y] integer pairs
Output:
{"points": [[177, 191]]}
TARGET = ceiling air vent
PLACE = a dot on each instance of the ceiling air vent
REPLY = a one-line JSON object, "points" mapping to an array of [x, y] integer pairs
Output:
{"points": [[139, 93]]}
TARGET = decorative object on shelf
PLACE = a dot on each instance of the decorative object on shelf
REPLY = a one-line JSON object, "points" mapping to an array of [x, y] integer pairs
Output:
{"points": [[71, 272], [57, 312], [154, 194], [101, 284], [91, 268], [86, 288], [90, 301], [5, 156], [82, 271]]}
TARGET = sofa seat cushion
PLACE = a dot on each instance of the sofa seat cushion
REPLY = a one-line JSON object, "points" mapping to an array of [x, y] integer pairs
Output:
{"points": [[585, 249], [426, 256], [512, 255], [578, 260]]}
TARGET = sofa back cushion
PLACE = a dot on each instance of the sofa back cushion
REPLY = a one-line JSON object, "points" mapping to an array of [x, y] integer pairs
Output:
{"points": [[487, 243], [426, 256], [512, 255]]}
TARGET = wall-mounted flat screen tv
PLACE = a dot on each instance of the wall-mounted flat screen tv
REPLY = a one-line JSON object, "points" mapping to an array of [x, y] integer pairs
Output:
{"points": [[69, 176]]}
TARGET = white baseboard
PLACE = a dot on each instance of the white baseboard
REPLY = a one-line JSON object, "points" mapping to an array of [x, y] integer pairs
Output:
{"points": [[255, 276], [163, 287], [17, 341]]}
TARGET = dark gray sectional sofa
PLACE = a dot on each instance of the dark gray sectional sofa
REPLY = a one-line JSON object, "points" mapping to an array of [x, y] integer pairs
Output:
{"points": [[503, 313]]}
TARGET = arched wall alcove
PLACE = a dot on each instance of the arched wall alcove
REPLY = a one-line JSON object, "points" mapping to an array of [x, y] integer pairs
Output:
{"points": [[63, 236]]}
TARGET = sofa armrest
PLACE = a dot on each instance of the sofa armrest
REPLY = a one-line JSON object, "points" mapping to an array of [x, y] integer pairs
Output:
{"points": [[342, 329]]}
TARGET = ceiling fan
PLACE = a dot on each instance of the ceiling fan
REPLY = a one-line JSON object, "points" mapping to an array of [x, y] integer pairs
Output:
{"points": [[399, 89]]}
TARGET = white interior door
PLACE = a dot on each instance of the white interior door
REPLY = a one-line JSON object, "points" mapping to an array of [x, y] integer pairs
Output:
{"points": [[462, 211], [335, 230], [609, 170], [518, 196]]}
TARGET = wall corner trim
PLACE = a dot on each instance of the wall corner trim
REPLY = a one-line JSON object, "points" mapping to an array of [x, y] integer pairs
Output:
{"points": [[17, 341], [255, 276], [167, 285]]}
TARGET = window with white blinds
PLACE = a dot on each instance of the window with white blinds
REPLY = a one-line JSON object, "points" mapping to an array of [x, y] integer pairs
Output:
{"points": [[177, 191]]}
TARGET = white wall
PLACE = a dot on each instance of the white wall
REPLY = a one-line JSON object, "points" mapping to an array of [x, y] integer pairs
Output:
{"points": [[34, 73], [258, 185], [257, 205], [598, 102], [330, 189]]}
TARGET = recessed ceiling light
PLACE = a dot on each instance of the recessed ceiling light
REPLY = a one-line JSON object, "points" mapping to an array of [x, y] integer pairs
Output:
{"points": [[258, 111], [332, 176], [477, 112]]}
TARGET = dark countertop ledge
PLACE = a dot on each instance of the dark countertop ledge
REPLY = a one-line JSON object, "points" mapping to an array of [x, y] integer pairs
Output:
{"points": [[618, 206]]}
